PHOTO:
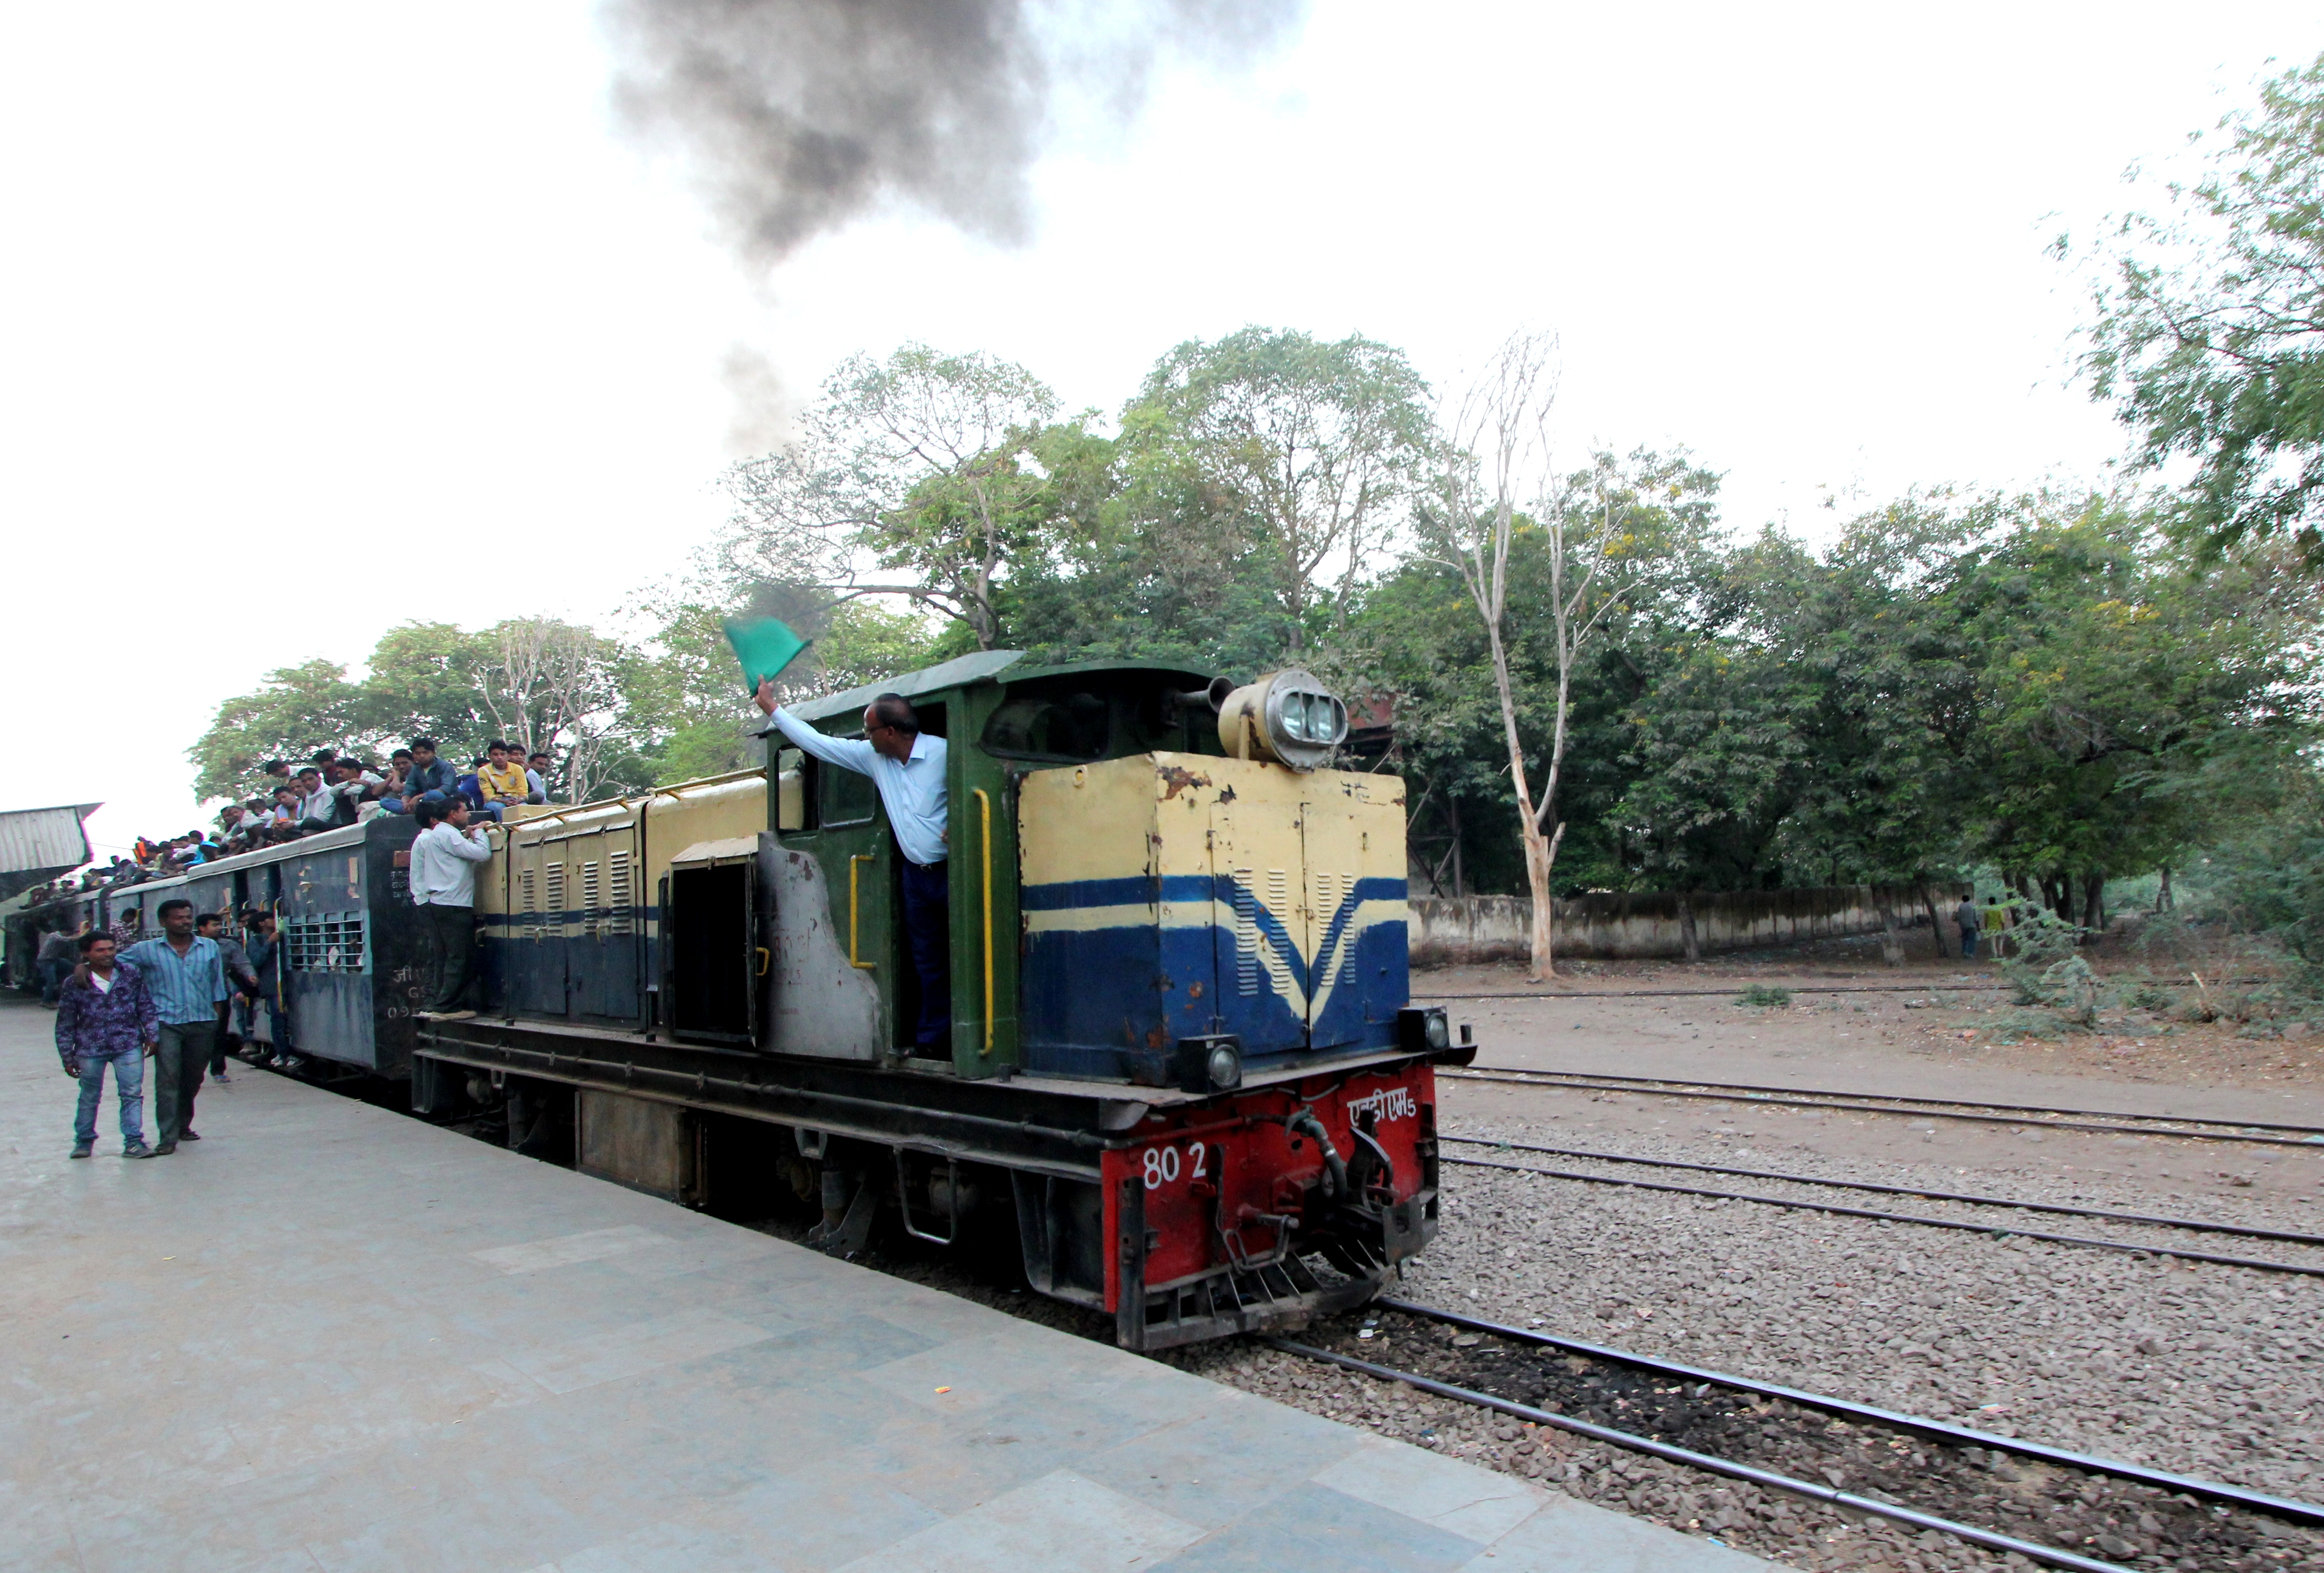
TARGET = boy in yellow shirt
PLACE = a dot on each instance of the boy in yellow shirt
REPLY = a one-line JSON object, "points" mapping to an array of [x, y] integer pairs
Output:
{"points": [[501, 779]]}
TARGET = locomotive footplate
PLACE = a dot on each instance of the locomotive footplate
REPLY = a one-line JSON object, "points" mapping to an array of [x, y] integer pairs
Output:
{"points": [[1184, 1216]]}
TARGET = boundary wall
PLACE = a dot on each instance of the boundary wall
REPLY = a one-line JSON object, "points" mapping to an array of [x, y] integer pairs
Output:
{"points": [[1453, 931]]}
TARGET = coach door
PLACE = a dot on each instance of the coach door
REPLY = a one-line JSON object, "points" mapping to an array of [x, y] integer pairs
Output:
{"points": [[711, 955]]}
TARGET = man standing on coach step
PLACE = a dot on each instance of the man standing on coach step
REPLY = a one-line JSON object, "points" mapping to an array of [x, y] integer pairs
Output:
{"points": [[186, 977], [443, 860], [909, 768]]}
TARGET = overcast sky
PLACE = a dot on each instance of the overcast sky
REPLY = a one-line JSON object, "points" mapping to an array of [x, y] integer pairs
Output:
{"points": [[322, 318]]}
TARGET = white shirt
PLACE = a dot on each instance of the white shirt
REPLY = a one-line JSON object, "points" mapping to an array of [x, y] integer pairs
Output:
{"points": [[317, 805], [912, 789], [103, 981], [444, 866]]}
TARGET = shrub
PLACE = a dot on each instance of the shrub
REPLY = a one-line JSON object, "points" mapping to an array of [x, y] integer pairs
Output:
{"points": [[1760, 996]]}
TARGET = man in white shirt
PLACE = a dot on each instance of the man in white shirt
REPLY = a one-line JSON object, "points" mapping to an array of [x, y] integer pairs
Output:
{"points": [[318, 810], [443, 860], [908, 767]]}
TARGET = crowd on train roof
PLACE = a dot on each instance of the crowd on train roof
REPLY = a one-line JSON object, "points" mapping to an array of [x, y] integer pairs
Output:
{"points": [[330, 792]]}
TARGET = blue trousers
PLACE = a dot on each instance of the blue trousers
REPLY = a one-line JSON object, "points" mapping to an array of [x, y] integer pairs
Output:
{"points": [[928, 927], [1968, 944], [128, 1091]]}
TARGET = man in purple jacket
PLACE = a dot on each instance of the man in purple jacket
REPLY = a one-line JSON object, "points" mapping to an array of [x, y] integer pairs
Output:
{"points": [[106, 1016]]}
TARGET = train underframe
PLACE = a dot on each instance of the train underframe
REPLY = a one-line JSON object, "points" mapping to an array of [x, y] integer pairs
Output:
{"points": [[1184, 1217]]}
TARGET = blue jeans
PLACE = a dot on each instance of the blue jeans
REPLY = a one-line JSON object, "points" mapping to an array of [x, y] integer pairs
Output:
{"points": [[1968, 944], [928, 930], [52, 980], [128, 1090]]}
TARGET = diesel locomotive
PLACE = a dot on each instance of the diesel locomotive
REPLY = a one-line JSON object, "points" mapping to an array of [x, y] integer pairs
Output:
{"points": [[1183, 1066]]}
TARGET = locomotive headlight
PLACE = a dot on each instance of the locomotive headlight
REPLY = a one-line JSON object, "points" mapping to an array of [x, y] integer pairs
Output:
{"points": [[1286, 717], [1422, 1029], [1225, 1067], [1212, 1063]]}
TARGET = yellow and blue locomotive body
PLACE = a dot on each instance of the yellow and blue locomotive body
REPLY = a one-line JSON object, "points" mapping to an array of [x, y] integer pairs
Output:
{"points": [[1182, 1052]]}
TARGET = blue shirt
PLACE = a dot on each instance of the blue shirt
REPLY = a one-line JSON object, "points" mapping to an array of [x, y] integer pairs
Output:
{"points": [[912, 789], [187, 989]]}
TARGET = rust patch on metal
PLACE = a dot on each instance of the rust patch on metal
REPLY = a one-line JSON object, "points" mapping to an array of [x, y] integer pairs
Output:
{"points": [[1179, 778]]}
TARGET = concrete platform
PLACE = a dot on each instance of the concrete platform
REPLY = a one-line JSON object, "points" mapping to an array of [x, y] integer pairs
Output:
{"points": [[328, 1337]]}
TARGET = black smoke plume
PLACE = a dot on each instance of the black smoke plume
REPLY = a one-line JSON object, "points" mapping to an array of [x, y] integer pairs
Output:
{"points": [[800, 115]]}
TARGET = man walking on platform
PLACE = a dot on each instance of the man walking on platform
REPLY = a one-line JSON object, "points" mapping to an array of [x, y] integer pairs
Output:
{"points": [[909, 768], [443, 860], [104, 1016], [186, 977]]}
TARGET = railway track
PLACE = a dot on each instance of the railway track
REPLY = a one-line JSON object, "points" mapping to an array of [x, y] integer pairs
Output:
{"points": [[1838, 1209], [2097, 1121], [2053, 1506]]}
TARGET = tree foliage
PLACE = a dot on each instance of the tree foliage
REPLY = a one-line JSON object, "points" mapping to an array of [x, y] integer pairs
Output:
{"points": [[912, 476], [2209, 333]]}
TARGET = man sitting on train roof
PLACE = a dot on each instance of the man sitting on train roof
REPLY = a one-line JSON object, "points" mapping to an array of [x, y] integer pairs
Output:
{"points": [[431, 778], [909, 768]]}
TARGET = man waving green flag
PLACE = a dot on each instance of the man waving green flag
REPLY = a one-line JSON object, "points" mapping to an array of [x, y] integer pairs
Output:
{"points": [[763, 646]]}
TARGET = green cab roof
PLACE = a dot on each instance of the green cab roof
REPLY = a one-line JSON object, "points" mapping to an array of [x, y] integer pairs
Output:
{"points": [[983, 666]]}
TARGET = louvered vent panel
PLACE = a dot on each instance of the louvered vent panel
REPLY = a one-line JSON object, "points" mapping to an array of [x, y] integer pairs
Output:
{"points": [[618, 899], [1246, 934]]}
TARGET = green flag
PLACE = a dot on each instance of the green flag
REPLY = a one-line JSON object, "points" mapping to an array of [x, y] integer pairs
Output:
{"points": [[763, 646]]}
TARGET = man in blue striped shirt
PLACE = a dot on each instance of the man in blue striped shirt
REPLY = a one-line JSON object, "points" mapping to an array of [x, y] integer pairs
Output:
{"points": [[187, 978]]}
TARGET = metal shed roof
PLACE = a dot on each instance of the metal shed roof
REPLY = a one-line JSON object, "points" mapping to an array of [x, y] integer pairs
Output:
{"points": [[38, 844]]}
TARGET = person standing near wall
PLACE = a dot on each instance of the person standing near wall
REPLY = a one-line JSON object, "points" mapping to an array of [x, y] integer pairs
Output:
{"points": [[187, 979]]}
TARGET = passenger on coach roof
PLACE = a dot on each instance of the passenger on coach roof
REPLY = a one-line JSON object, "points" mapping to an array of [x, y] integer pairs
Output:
{"points": [[443, 860], [536, 778], [317, 808], [397, 784], [501, 779], [909, 769], [430, 777], [106, 1017]]}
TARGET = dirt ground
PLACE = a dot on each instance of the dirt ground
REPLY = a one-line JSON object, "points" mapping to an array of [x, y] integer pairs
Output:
{"points": [[1926, 1030]]}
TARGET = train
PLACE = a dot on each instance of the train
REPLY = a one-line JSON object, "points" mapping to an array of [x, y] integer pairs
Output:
{"points": [[1184, 1069]]}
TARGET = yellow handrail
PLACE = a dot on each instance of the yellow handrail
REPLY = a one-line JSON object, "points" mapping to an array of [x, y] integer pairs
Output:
{"points": [[854, 864], [984, 810]]}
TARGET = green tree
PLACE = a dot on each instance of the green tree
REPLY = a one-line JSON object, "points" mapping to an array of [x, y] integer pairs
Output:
{"points": [[2130, 693], [2209, 334], [1272, 447], [912, 476], [296, 710]]}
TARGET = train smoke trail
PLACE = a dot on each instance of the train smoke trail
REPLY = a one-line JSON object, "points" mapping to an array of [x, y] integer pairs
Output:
{"points": [[801, 114]]}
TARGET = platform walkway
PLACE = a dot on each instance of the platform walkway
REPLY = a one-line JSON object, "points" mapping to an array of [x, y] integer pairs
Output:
{"points": [[328, 1338]]}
